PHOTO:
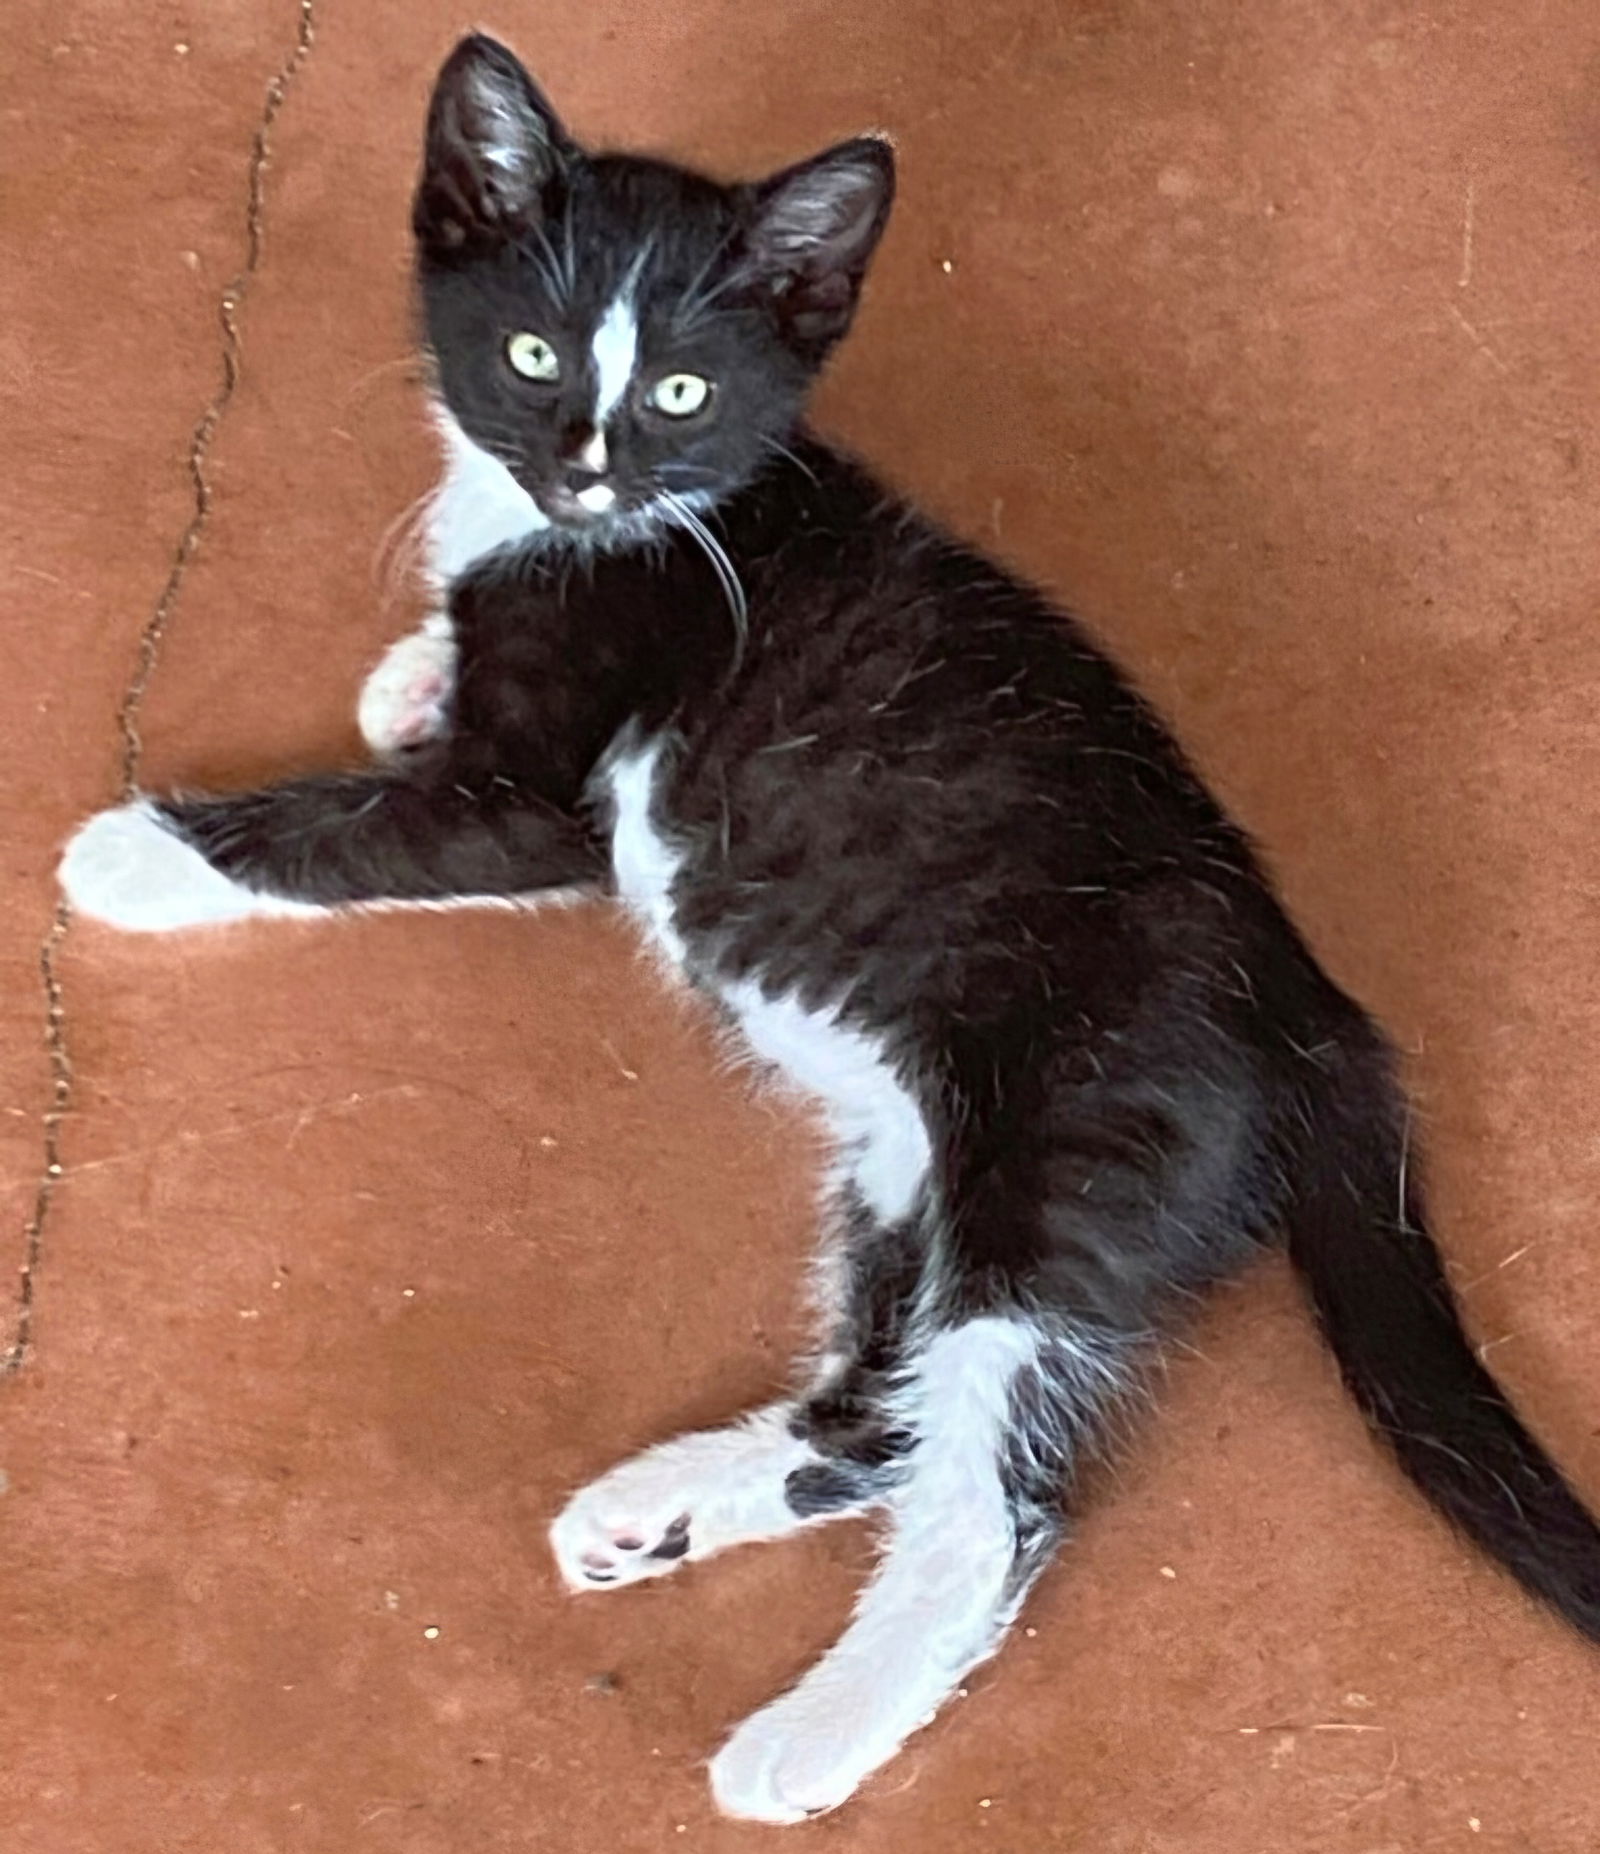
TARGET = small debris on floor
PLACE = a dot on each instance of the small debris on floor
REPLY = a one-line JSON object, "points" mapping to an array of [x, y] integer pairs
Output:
{"points": [[431, 1633], [1167, 1571], [391, 1599], [602, 1683], [1474, 1824]]}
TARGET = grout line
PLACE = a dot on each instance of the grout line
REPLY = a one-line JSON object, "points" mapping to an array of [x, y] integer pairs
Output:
{"points": [[154, 631]]}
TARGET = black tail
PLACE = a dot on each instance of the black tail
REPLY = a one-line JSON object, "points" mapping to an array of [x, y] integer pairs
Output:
{"points": [[1359, 1240]]}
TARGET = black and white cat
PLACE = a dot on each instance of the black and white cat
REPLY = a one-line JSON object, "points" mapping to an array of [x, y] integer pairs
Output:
{"points": [[921, 843]]}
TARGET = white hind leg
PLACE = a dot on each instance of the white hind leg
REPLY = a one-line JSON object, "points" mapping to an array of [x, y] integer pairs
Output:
{"points": [[994, 1406], [699, 1494]]}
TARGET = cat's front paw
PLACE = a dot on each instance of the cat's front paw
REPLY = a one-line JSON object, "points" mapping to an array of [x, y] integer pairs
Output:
{"points": [[405, 702], [125, 867]]}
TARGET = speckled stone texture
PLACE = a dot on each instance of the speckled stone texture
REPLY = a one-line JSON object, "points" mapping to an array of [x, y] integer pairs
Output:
{"points": [[1266, 334]]}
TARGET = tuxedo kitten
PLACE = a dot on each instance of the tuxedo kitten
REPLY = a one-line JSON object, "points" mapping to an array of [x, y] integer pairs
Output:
{"points": [[904, 825]]}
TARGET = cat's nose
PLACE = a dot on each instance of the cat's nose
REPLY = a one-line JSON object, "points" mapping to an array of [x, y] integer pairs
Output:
{"points": [[584, 457]]}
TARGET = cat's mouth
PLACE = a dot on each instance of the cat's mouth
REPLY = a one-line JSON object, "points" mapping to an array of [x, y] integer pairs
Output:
{"points": [[577, 508]]}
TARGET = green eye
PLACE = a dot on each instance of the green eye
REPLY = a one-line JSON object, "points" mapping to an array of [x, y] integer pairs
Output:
{"points": [[533, 357], [680, 395]]}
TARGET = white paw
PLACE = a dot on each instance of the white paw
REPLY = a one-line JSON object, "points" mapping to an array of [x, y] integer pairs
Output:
{"points": [[124, 867], [682, 1500], [804, 1754], [405, 701]]}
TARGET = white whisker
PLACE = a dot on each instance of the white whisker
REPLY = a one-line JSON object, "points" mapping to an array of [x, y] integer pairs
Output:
{"points": [[721, 565]]}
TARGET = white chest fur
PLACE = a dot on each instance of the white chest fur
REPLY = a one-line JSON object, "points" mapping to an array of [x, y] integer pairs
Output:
{"points": [[883, 1140], [479, 506]]}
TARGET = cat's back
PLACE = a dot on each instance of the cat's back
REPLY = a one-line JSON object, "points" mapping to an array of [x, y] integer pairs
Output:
{"points": [[919, 686], [916, 751]]}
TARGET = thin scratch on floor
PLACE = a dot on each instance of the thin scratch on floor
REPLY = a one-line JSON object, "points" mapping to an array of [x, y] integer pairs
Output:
{"points": [[623, 1070], [191, 1140], [1476, 337], [1516, 1255], [1469, 215], [1492, 1345], [20, 1349]]}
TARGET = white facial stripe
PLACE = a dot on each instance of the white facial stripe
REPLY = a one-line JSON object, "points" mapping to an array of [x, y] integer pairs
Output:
{"points": [[597, 498], [616, 351], [593, 455]]}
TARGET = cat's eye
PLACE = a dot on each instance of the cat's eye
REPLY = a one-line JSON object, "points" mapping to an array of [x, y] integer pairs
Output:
{"points": [[680, 395], [533, 357]]}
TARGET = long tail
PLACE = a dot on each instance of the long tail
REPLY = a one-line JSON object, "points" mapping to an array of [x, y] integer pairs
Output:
{"points": [[1360, 1242]]}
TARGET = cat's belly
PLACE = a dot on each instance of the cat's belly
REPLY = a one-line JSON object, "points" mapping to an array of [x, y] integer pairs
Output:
{"points": [[879, 1126]]}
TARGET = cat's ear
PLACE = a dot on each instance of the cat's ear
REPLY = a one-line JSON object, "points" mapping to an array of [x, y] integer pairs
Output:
{"points": [[493, 147], [811, 233]]}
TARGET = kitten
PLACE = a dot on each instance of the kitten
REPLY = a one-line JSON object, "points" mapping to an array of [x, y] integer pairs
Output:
{"points": [[912, 833]]}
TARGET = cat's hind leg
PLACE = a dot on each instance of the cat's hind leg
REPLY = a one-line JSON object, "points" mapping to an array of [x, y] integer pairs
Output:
{"points": [[833, 1450], [997, 1408], [696, 1495]]}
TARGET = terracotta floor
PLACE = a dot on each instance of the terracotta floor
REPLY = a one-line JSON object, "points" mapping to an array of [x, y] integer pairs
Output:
{"points": [[1264, 330]]}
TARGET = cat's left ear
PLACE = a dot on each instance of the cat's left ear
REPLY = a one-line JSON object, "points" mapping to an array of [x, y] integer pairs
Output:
{"points": [[494, 146], [812, 231]]}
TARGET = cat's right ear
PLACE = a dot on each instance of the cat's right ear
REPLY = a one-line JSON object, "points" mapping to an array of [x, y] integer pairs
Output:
{"points": [[493, 147]]}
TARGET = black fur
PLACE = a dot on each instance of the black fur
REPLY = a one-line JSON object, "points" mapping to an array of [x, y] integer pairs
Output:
{"points": [[904, 784]]}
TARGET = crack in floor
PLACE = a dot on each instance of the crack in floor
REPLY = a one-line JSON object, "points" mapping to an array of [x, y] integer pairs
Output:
{"points": [[148, 653]]}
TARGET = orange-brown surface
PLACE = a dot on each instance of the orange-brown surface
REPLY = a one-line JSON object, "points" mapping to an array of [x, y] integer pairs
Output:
{"points": [[1266, 334]]}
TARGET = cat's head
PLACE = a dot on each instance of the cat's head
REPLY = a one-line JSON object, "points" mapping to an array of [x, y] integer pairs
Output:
{"points": [[620, 332]]}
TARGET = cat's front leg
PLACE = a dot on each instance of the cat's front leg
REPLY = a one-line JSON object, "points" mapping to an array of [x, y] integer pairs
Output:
{"points": [[405, 702], [320, 843]]}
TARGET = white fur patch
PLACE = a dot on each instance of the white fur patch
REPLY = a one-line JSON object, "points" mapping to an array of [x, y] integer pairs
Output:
{"points": [[125, 868], [478, 508], [939, 1604], [882, 1136], [883, 1139], [512, 150], [403, 701], [615, 349], [594, 455], [644, 864], [715, 1488]]}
